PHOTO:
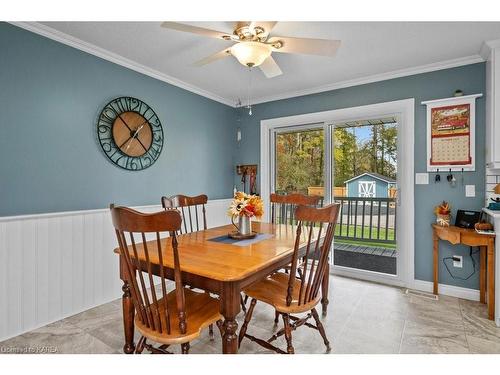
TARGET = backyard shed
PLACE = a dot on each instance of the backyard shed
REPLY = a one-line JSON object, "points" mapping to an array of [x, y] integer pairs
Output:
{"points": [[370, 185]]}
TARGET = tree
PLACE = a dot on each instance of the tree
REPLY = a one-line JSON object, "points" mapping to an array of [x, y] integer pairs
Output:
{"points": [[299, 160], [345, 151], [300, 156], [379, 153]]}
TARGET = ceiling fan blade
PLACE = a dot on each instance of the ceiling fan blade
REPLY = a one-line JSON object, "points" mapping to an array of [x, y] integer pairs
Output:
{"points": [[270, 68], [323, 47], [196, 30], [216, 56], [266, 25]]}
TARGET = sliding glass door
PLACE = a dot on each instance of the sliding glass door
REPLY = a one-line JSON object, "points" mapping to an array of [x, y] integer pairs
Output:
{"points": [[354, 163]]}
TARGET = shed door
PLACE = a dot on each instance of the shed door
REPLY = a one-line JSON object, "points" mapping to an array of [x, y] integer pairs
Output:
{"points": [[366, 189]]}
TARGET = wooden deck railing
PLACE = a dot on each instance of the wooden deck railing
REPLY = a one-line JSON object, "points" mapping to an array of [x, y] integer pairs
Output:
{"points": [[367, 219]]}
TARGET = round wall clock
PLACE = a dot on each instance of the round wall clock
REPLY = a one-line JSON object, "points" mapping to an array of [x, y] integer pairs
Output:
{"points": [[130, 133]]}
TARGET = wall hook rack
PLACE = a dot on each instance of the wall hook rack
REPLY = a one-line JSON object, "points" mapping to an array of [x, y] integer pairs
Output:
{"points": [[249, 170]]}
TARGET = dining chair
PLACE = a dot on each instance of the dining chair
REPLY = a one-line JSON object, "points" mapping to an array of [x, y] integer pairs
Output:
{"points": [[193, 211], [163, 317], [282, 212], [297, 292], [283, 206]]}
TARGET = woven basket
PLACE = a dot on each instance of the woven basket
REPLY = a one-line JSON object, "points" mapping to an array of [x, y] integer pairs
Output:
{"points": [[443, 220]]}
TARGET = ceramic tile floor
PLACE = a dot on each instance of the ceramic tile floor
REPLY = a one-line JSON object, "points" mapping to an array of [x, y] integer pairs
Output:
{"points": [[363, 317]]}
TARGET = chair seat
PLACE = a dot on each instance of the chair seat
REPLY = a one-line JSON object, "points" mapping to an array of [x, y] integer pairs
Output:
{"points": [[201, 311], [273, 291]]}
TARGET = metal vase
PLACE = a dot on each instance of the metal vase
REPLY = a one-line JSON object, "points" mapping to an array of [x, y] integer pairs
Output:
{"points": [[244, 225]]}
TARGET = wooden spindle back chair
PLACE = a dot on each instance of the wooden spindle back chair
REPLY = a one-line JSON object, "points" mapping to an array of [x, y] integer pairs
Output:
{"points": [[282, 212], [283, 206], [314, 262], [160, 315], [298, 291], [192, 209]]}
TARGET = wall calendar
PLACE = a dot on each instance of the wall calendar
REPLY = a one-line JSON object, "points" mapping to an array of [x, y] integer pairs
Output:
{"points": [[451, 133]]}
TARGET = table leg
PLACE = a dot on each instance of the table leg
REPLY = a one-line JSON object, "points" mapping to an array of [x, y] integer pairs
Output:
{"points": [[229, 308], [324, 290], [128, 312], [128, 319], [482, 274], [491, 279], [435, 240]]}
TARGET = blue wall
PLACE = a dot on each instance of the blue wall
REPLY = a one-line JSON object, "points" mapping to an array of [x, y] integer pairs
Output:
{"points": [[50, 97], [433, 85]]}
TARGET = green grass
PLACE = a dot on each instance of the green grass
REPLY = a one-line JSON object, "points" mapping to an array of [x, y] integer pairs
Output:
{"points": [[357, 231]]}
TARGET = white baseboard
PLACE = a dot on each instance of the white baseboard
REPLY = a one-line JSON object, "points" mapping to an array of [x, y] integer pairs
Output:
{"points": [[447, 290]]}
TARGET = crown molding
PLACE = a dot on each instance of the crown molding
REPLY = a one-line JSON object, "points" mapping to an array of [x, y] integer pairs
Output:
{"points": [[487, 46], [375, 78], [485, 51], [71, 41]]}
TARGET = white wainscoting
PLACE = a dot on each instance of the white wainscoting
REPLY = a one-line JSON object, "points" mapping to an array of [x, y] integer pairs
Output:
{"points": [[56, 265]]}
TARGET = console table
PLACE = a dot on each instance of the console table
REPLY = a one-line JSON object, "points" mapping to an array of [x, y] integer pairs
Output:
{"points": [[470, 237]]}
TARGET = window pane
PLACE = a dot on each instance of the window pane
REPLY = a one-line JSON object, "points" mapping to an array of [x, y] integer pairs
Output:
{"points": [[299, 162]]}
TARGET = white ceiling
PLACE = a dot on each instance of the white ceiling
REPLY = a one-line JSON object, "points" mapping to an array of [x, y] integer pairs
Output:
{"points": [[367, 49]]}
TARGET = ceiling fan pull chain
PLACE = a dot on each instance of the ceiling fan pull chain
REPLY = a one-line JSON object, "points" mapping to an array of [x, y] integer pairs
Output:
{"points": [[249, 90]]}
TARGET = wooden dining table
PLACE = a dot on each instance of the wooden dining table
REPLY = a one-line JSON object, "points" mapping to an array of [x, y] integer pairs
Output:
{"points": [[224, 269]]}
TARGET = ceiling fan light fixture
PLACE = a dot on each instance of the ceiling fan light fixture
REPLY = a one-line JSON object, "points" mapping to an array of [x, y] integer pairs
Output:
{"points": [[251, 53]]}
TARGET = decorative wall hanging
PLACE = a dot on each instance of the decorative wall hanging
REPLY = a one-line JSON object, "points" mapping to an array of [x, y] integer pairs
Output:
{"points": [[130, 133], [250, 171], [451, 126]]}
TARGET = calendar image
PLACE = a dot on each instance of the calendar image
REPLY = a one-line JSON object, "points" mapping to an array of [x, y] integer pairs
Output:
{"points": [[450, 133], [450, 120]]}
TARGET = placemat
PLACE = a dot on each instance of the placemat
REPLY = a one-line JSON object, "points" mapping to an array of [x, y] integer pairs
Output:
{"points": [[226, 239]]}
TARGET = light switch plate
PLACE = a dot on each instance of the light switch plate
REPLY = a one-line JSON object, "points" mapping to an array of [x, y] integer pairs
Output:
{"points": [[470, 191], [422, 178]]}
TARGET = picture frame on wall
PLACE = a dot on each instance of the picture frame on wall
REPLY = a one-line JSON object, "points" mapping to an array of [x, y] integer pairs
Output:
{"points": [[451, 133]]}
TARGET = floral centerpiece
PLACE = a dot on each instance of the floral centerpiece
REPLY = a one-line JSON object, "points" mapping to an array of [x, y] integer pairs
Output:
{"points": [[443, 214], [244, 207]]}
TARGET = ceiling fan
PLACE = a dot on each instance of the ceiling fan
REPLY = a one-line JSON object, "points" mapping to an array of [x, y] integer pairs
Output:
{"points": [[254, 45]]}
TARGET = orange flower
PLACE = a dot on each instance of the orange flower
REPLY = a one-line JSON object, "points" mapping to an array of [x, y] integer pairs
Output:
{"points": [[246, 205], [257, 205]]}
